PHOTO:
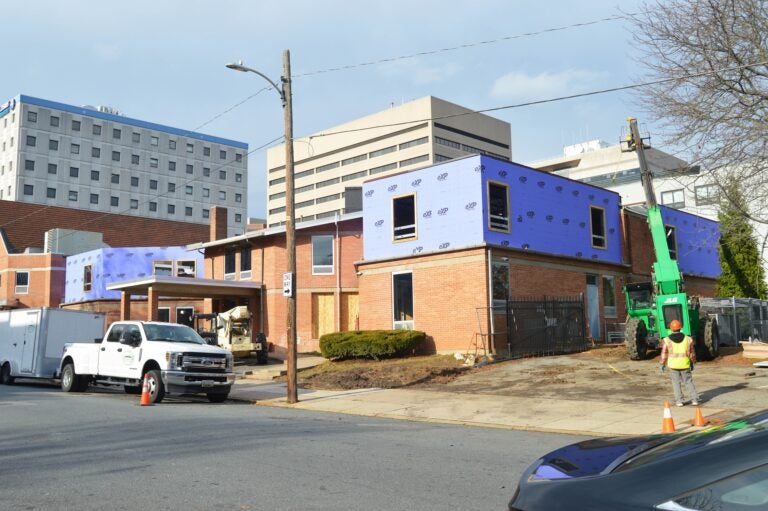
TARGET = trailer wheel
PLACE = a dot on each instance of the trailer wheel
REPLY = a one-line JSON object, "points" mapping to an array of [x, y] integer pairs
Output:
{"points": [[708, 340], [5, 374], [71, 381], [156, 387], [636, 339], [218, 397]]}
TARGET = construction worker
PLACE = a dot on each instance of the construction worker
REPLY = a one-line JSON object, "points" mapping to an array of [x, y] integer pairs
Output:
{"points": [[679, 355]]}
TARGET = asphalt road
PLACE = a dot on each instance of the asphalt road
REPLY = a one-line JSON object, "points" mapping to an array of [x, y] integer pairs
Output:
{"points": [[100, 450]]}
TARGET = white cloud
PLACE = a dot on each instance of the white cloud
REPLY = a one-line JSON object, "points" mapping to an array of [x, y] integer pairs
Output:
{"points": [[107, 52], [418, 72], [545, 85]]}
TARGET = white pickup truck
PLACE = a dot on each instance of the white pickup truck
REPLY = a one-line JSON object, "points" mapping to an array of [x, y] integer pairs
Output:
{"points": [[174, 357]]}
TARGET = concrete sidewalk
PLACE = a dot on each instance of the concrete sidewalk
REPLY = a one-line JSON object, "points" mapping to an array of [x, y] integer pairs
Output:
{"points": [[574, 416]]}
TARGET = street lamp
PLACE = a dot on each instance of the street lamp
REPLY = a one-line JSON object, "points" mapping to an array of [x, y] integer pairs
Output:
{"points": [[289, 278]]}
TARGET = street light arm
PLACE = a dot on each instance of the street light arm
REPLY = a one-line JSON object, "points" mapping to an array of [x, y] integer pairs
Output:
{"points": [[238, 66]]}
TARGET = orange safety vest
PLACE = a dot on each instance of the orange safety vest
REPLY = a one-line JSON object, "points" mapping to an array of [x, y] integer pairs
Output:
{"points": [[678, 353]]}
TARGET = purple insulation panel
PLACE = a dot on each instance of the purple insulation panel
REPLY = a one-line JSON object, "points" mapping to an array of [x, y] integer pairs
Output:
{"points": [[697, 240], [552, 214]]}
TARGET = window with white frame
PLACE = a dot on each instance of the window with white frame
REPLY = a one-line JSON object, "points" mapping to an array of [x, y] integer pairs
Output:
{"points": [[609, 296], [498, 206], [22, 282], [402, 301], [162, 267], [673, 199], [707, 194], [229, 264], [245, 263], [87, 277], [186, 268], [404, 217], [322, 254]]}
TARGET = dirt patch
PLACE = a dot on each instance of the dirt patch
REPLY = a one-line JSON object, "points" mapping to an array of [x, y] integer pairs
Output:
{"points": [[386, 374]]}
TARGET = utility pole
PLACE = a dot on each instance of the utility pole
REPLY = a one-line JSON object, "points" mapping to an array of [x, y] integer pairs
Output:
{"points": [[290, 232]]}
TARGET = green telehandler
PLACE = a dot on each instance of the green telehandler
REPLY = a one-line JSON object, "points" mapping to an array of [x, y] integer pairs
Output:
{"points": [[651, 306]]}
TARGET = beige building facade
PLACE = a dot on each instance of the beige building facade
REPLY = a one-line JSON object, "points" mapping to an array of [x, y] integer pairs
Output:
{"points": [[402, 138]]}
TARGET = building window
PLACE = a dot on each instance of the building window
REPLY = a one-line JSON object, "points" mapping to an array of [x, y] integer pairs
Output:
{"points": [[116, 133], [671, 241], [50, 193], [414, 143], [54, 121], [238, 197], [172, 166], [114, 201], [154, 141], [171, 187], [402, 301], [32, 116], [171, 209], [609, 297], [115, 155], [190, 148], [134, 181], [29, 164], [136, 137], [222, 155], [415, 160], [189, 189], [500, 284], [222, 174], [172, 144], [153, 163], [383, 168], [115, 179], [382, 152], [95, 152], [153, 184], [354, 175], [238, 157], [74, 148], [87, 277], [322, 255], [206, 151], [206, 192], [134, 204], [222, 195], [94, 175], [29, 190], [153, 206], [75, 125], [404, 217], [164, 314], [31, 141], [22, 282], [52, 168], [53, 145], [94, 198], [238, 218], [206, 213], [206, 172], [74, 172], [186, 268], [498, 207], [707, 194], [135, 159], [190, 169], [597, 225], [238, 178], [229, 264], [96, 129], [188, 211], [162, 267], [673, 199], [72, 196]]}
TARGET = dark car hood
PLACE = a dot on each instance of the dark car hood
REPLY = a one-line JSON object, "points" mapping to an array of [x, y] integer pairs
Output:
{"points": [[593, 457]]}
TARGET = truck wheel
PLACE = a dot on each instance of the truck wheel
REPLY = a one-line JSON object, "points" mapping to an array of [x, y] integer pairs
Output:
{"points": [[5, 374], [71, 381], [218, 397], [156, 387], [636, 339], [132, 389], [708, 340]]}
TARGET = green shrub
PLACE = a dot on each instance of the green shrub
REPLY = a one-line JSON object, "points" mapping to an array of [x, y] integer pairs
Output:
{"points": [[373, 344]]}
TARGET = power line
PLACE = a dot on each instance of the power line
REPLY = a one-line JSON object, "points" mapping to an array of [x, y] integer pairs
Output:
{"points": [[209, 121], [462, 46], [549, 100]]}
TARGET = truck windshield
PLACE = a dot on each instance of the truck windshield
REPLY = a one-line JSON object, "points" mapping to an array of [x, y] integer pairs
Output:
{"points": [[172, 333]]}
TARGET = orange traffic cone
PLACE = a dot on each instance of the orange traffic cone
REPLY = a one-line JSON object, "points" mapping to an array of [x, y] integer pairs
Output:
{"points": [[667, 424], [145, 393], [699, 418]]}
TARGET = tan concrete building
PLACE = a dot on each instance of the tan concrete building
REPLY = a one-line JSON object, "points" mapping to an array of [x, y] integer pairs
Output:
{"points": [[416, 134]]}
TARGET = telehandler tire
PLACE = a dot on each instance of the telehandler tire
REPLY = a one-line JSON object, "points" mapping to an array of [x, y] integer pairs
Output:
{"points": [[636, 339]]}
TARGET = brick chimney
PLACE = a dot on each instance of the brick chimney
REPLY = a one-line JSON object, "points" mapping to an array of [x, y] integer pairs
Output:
{"points": [[218, 223]]}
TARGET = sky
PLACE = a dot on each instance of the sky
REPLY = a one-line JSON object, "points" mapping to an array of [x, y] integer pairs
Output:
{"points": [[164, 61]]}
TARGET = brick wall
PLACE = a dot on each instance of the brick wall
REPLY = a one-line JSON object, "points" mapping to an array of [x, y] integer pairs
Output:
{"points": [[47, 273], [138, 307]]}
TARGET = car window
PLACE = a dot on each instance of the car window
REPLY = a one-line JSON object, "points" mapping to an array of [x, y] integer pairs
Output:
{"points": [[746, 491], [171, 333], [132, 332], [115, 333]]}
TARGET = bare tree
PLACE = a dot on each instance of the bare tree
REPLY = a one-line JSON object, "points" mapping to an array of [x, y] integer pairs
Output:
{"points": [[713, 55]]}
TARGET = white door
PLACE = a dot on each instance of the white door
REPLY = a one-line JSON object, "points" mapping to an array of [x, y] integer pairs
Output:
{"points": [[117, 358], [593, 307], [28, 348]]}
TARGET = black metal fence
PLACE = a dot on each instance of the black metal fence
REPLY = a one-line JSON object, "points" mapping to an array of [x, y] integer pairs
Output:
{"points": [[537, 326]]}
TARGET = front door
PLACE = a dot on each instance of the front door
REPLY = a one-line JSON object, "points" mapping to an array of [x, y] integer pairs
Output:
{"points": [[322, 314], [593, 307], [117, 358]]}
